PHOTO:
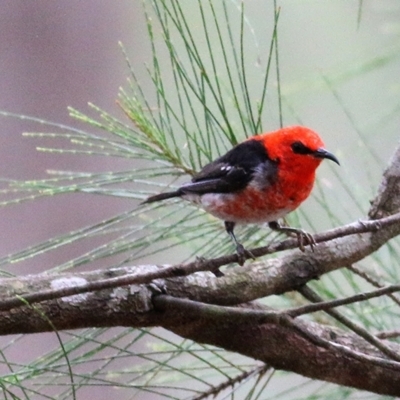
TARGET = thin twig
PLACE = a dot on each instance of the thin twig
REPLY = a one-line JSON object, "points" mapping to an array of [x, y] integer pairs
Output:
{"points": [[213, 391], [196, 266], [371, 280], [353, 228], [329, 304], [388, 334]]}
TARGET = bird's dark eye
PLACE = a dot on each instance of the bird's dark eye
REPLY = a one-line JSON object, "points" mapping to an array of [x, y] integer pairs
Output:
{"points": [[299, 148]]}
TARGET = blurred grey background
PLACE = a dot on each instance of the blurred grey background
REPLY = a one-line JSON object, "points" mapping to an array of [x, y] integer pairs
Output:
{"points": [[54, 55]]}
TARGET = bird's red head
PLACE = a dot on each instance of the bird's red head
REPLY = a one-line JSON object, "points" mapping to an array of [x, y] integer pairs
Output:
{"points": [[296, 148], [297, 151]]}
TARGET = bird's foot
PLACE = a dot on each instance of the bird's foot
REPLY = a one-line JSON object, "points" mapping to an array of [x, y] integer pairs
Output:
{"points": [[243, 254], [303, 237]]}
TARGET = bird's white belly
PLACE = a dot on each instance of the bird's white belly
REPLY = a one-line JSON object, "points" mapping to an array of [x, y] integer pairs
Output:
{"points": [[227, 207]]}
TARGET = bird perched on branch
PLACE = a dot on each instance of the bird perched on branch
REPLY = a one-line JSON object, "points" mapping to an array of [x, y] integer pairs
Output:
{"points": [[259, 180]]}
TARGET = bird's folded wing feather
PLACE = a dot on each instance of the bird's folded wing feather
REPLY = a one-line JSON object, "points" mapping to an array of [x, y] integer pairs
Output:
{"points": [[219, 180], [233, 171]]}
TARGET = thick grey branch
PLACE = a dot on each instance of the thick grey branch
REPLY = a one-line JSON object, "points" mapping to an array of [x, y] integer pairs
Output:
{"points": [[310, 349]]}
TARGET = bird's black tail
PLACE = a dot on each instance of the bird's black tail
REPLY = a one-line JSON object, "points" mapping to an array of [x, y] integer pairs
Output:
{"points": [[162, 196]]}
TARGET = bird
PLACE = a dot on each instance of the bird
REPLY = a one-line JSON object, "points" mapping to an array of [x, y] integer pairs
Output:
{"points": [[260, 180]]}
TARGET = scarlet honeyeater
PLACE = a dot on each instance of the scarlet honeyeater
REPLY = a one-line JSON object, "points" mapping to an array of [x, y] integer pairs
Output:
{"points": [[260, 180]]}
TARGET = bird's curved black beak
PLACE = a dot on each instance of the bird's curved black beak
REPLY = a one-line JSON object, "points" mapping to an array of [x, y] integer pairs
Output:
{"points": [[322, 153]]}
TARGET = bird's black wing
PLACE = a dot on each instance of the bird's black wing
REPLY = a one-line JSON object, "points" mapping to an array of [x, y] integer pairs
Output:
{"points": [[233, 171]]}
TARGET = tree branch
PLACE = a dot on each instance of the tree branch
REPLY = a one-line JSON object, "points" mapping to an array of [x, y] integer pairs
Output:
{"points": [[310, 349], [356, 328], [320, 305], [320, 352], [146, 274]]}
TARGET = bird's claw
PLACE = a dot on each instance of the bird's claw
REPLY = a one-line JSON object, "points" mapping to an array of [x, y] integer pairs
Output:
{"points": [[243, 254], [304, 238]]}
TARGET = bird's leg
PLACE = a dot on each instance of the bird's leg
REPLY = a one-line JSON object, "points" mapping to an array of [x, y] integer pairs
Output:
{"points": [[242, 253], [303, 237]]}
